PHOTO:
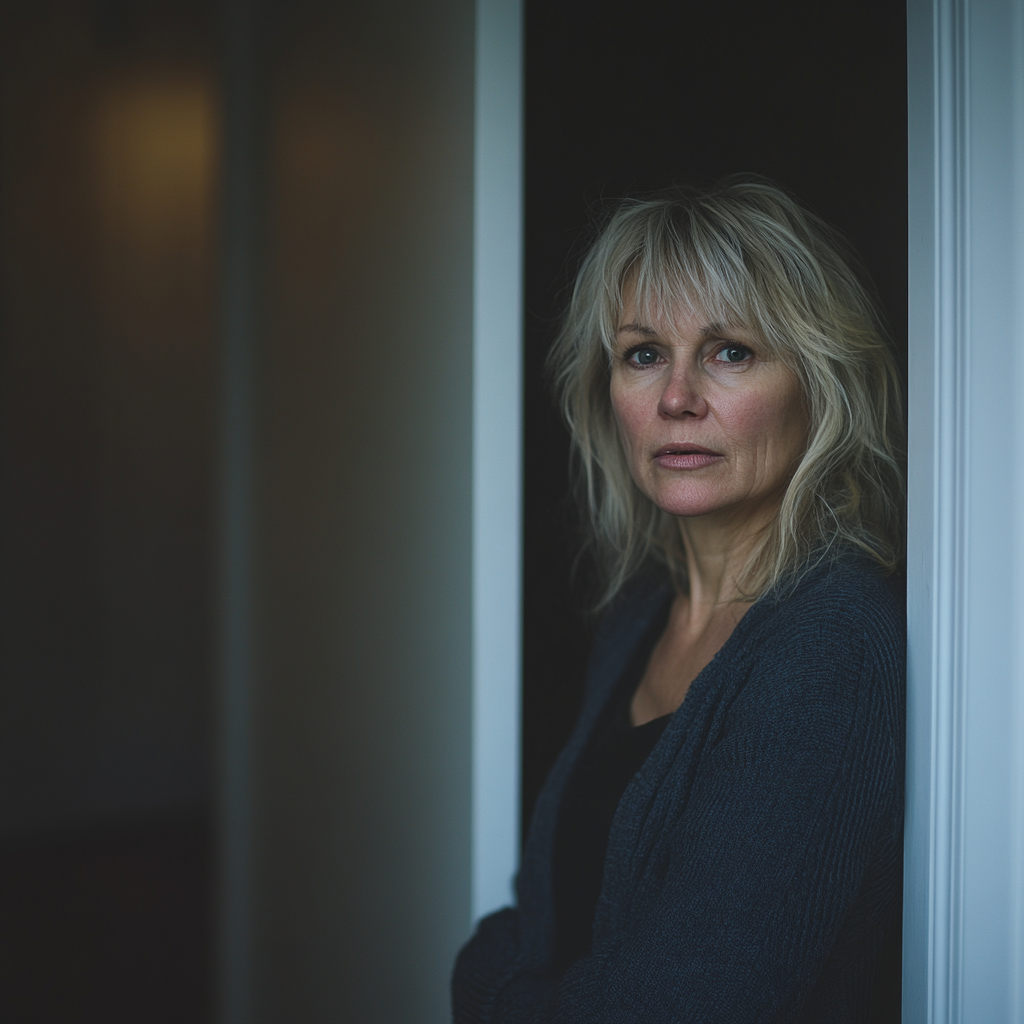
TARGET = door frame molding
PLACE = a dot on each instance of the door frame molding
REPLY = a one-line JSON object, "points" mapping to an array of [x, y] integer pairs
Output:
{"points": [[497, 451], [963, 878]]}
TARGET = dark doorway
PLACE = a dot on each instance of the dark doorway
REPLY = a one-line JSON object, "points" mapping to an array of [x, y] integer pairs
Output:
{"points": [[625, 98]]}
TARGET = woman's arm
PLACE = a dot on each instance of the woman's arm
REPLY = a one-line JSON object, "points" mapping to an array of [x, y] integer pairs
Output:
{"points": [[485, 966]]}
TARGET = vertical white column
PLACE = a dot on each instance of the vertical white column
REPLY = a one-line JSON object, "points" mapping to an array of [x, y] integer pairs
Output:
{"points": [[1016, 214], [932, 894], [994, 542], [497, 450], [966, 673]]}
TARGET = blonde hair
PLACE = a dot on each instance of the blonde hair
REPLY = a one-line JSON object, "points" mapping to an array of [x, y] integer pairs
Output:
{"points": [[745, 253]]}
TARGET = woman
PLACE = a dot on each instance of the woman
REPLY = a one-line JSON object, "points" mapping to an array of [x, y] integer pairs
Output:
{"points": [[720, 840]]}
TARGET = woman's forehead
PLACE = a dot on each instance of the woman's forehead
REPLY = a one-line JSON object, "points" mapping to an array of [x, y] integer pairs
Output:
{"points": [[657, 311]]}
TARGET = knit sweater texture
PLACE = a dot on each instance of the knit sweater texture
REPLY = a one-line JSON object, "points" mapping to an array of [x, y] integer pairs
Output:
{"points": [[754, 864]]}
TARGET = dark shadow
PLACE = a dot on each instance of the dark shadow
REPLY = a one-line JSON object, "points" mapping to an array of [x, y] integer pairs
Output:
{"points": [[107, 925]]}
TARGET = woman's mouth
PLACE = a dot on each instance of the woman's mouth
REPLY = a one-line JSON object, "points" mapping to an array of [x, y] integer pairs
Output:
{"points": [[686, 456]]}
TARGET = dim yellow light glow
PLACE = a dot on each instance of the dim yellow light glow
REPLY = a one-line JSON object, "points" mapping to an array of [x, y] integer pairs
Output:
{"points": [[156, 152]]}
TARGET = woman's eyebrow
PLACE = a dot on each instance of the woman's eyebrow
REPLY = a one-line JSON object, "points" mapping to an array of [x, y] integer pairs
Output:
{"points": [[708, 331], [715, 330], [635, 328]]}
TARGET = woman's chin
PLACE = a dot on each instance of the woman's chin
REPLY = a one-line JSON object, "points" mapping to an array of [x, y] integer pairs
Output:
{"points": [[689, 505]]}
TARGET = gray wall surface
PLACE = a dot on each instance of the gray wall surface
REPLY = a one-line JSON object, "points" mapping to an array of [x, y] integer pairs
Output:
{"points": [[348, 619]]}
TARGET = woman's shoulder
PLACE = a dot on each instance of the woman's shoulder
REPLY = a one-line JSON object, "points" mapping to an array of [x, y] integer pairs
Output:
{"points": [[841, 620], [826, 655], [845, 592]]}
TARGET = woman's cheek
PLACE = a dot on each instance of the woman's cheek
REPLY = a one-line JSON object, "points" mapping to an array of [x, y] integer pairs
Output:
{"points": [[625, 415], [632, 425], [758, 415]]}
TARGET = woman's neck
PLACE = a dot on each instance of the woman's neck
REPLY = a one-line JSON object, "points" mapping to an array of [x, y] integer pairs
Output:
{"points": [[718, 549]]}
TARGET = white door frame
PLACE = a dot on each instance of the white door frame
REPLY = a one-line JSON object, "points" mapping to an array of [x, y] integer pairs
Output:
{"points": [[497, 451], [964, 854]]}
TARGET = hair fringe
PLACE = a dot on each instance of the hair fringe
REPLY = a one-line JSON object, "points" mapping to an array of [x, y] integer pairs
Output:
{"points": [[747, 252]]}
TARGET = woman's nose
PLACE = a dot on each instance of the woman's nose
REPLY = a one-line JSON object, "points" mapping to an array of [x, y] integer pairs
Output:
{"points": [[682, 394]]}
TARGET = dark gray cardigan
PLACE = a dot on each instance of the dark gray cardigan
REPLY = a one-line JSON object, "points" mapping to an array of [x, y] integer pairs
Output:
{"points": [[754, 864]]}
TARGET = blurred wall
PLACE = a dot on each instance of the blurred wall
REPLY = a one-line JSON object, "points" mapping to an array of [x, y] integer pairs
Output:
{"points": [[109, 335], [237, 271], [109, 165], [348, 645]]}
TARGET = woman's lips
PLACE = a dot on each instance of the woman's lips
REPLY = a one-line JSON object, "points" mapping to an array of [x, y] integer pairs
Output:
{"points": [[686, 456]]}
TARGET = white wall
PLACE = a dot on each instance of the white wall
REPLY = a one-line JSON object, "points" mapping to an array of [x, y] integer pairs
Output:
{"points": [[963, 910]]}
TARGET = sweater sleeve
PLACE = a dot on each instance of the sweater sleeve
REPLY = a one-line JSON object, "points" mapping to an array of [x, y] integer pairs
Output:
{"points": [[749, 888], [485, 966]]}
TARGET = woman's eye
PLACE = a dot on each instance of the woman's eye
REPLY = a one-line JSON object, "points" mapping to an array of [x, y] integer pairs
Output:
{"points": [[643, 356], [733, 354]]}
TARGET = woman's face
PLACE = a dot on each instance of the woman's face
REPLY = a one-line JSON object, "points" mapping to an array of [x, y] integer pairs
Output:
{"points": [[710, 423]]}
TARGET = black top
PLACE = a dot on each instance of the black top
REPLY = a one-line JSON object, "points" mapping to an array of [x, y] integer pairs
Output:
{"points": [[615, 753]]}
